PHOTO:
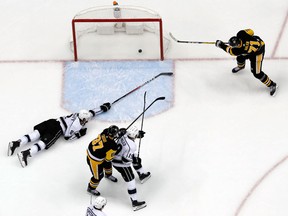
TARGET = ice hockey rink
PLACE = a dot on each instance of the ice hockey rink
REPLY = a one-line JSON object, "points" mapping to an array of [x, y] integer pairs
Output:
{"points": [[219, 149]]}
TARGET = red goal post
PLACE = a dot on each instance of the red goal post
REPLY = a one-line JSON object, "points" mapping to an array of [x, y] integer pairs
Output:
{"points": [[135, 21]]}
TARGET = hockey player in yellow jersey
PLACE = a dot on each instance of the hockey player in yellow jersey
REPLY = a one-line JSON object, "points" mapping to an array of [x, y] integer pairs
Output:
{"points": [[245, 45], [100, 153]]}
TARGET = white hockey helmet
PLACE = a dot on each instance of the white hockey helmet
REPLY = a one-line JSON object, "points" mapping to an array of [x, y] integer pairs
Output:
{"points": [[100, 202], [132, 132], [84, 115]]}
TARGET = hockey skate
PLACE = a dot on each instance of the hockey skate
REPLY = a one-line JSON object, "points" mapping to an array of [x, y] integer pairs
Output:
{"points": [[111, 178], [144, 177], [138, 205], [23, 157], [12, 146], [236, 69], [273, 89], [93, 191]]}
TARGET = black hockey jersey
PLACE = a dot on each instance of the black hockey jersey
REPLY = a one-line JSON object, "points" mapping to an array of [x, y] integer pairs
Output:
{"points": [[102, 148], [250, 44]]}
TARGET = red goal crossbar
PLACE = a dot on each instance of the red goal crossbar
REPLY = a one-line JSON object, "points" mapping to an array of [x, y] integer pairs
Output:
{"points": [[159, 20]]}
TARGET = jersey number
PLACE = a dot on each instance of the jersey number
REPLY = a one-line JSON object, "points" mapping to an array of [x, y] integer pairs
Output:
{"points": [[252, 47], [98, 142]]}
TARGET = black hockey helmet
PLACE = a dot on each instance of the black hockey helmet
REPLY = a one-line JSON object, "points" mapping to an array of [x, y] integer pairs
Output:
{"points": [[234, 41], [113, 130]]}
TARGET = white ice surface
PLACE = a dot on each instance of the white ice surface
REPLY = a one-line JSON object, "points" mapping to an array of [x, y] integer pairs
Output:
{"points": [[220, 150]]}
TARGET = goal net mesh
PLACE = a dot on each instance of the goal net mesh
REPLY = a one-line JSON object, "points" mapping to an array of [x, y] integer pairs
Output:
{"points": [[110, 32]]}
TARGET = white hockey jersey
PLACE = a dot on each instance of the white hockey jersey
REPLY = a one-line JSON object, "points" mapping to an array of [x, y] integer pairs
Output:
{"points": [[92, 211], [70, 126], [124, 155]]}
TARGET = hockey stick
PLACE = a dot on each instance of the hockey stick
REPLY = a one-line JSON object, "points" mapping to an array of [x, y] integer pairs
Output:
{"points": [[159, 98], [194, 42], [148, 81], [142, 123], [160, 74]]}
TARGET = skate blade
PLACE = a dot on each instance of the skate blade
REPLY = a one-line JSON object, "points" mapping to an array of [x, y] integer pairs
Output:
{"points": [[144, 180], [9, 149], [21, 160], [136, 208], [112, 179], [93, 194], [275, 91]]}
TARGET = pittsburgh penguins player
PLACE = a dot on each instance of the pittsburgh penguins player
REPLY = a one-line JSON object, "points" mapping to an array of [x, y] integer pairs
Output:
{"points": [[100, 153], [245, 45], [126, 155], [48, 132]]}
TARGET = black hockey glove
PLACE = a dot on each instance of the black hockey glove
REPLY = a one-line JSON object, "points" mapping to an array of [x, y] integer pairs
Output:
{"points": [[140, 134], [121, 132], [220, 44], [105, 107], [136, 160], [81, 132]]}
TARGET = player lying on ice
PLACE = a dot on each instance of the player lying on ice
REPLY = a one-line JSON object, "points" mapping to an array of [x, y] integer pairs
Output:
{"points": [[48, 132]]}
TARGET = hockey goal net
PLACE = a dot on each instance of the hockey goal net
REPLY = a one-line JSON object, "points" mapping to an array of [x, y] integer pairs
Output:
{"points": [[118, 32]]}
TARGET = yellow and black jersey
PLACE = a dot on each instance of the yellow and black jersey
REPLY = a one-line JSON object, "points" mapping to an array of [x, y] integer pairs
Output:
{"points": [[102, 148], [250, 44]]}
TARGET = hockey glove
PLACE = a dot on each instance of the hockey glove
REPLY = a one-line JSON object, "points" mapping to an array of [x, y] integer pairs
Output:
{"points": [[136, 160], [219, 44], [81, 132], [140, 134], [105, 107]]}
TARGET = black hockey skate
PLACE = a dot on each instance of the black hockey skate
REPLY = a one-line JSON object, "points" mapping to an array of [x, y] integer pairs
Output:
{"points": [[23, 157], [236, 69], [144, 177], [12, 146], [93, 191], [138, 205], [273, 89], [111, 178]]}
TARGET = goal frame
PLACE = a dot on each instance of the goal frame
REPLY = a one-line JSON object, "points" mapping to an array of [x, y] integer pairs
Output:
{"points": [[159, 20]]}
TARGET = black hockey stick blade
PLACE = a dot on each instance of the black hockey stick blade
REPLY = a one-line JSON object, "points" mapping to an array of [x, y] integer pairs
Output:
{"points": [[166, 73], [160, 98]]}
